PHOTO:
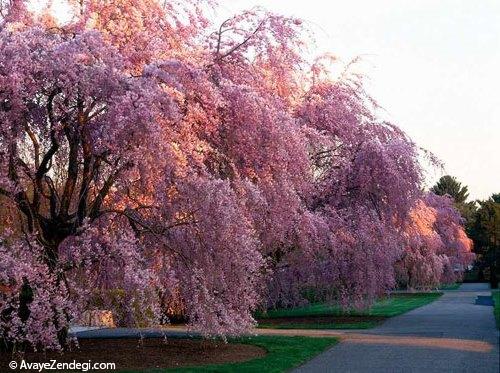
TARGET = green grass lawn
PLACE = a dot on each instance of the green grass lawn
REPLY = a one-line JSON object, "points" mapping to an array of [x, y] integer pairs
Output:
{"points": [[292, 325], [394, 305], [496, 298], [283, 354], [454, 286]]}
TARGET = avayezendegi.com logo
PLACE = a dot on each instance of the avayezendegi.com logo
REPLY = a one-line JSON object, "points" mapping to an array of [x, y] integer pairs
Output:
{"points": [[54, 365]]}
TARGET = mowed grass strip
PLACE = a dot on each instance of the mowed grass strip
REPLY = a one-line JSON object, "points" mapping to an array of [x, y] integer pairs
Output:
{"points": [[283, 354], [393, 305], [454, 286], [401, 303], [292, 325], [496, 299]]}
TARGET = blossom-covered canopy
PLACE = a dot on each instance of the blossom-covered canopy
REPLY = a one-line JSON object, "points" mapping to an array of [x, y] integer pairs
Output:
{"points": [[155, 168]]}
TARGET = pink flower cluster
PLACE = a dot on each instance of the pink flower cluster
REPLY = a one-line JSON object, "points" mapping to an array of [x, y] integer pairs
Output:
{"points": [[436, 248]]}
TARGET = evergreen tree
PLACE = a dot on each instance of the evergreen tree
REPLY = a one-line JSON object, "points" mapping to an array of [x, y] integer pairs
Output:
{"points": [[485, 233], [449, 185]]}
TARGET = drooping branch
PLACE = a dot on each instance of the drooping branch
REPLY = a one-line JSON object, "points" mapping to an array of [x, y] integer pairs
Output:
{"points": [[44, 166], [36, 146], [220, 57], [54, 147], [53, 197], [72, 170], [219, 36], [103, 192], [73, 135], [90, 167]]}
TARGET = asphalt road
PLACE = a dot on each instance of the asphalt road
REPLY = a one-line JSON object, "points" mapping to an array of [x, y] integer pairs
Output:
{"points": [[451, 334]]}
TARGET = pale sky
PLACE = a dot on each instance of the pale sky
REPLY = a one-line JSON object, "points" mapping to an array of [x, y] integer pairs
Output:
{"points": [[434, 65]]}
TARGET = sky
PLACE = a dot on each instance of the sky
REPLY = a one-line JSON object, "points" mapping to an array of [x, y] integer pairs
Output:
{"points": [[433, 65]]}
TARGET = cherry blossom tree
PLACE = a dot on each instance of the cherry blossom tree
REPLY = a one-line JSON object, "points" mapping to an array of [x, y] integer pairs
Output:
{"points": [[153, 164], [436, 248], [109, 192], [457, 247]]}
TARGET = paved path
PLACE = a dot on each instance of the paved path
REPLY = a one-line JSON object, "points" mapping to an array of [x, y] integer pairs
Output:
{"points": [[451, 334]]}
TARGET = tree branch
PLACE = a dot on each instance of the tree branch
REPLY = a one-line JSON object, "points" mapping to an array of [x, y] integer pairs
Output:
{"points": [[238, 46]]}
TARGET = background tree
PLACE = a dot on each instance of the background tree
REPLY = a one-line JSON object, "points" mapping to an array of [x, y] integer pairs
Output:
{"points": [[486, 235], [449, 185]]}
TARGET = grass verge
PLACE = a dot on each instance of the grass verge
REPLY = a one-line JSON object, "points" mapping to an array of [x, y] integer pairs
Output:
{"points": [[292, 325], [454, 286], [283, 354], [394, 305], [496, 299]]}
